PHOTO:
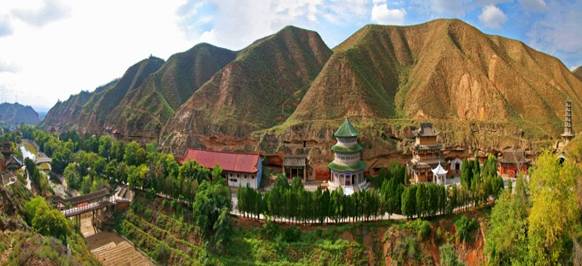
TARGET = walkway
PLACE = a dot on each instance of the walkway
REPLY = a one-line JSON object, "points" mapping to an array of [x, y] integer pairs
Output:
{"points": [[93, 201]]}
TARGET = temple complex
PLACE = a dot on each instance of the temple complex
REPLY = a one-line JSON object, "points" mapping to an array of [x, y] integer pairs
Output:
{"points": [[513, 162], [426, 155], [347, 168]]}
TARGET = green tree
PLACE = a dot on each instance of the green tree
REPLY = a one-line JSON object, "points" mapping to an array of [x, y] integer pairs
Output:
{"points": [[136, 175], [51, 222], [134, 154], [409, 201], [72, 176], [45, 220], [210, 212], [506, 242], [554, 210]]}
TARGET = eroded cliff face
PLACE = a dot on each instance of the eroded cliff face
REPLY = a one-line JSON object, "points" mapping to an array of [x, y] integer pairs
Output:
{"points": [[256, 91], [144, 110]]}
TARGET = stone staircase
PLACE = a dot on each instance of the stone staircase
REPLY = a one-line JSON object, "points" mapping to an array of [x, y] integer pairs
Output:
{"points": [[122, 253]]}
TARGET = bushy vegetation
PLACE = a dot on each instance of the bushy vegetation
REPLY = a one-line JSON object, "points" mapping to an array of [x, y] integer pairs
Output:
{"points": [[38, 179], [89, 163], [46, 220], [465, 228], [535, 223], [449, 256], [258, 245]]}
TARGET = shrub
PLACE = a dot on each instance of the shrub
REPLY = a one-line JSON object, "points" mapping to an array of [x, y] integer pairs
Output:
{"points": [[292, 234], [466, 228], [270, 230], [448, 256], [162, 252], [421, 227]]}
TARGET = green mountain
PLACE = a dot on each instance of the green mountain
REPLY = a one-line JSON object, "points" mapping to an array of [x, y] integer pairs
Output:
{"points": [[258, 90], [144, 110], [14, 114], [89, 111]]}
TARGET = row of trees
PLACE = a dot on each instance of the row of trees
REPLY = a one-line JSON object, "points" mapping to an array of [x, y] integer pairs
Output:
{"points": [[293, 203], [392, 196]]}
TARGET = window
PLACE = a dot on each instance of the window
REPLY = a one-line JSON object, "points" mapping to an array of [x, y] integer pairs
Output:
{"points": [[233, 180]]}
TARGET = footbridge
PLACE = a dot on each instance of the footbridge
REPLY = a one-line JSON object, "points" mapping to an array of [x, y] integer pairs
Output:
{"points": [[99, 200]]}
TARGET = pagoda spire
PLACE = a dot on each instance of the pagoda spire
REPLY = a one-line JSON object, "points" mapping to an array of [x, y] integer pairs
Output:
{"points": [[568, 128]]}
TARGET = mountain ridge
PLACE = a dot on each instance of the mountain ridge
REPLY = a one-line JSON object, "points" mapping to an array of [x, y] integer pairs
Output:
{"points": [[14, 114], [273, 73], [289, 87], [144, 111]]}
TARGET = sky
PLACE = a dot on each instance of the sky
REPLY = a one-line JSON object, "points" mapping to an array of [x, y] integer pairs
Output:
{"points": [[50, 49]]}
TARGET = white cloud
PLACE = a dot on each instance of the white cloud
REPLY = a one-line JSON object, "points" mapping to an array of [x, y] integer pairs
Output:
{"points": [[50, 11], [384, 15], [235, 26], [96, 44], [558, 32], [492, 17]]}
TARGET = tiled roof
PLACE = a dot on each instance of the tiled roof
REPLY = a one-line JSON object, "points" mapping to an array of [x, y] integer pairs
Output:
{"points": [[514, 156], [228, 161], [426, 130], [358, 166], [346, 130]]}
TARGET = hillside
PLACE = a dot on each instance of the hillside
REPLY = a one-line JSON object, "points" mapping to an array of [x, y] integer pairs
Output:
{"points": [[258, 90], [444, 69], [144, 110], [88, 111], [14, 114], [65, 114], [578, 72], [20, 244]]}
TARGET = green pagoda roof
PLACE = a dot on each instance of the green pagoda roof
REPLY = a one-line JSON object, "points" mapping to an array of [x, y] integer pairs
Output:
{"points": [[358, 166], [343, 149], [346, 130]]}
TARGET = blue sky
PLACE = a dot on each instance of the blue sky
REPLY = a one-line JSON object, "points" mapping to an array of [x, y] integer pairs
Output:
{"points": [[54, 48]]}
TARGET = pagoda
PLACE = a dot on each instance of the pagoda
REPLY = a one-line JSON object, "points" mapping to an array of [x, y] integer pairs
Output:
{"points": [[347, 168], [568, 130], [426, 155]]}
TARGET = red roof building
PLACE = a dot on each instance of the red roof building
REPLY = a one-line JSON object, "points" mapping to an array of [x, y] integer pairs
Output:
{"points": [[240, 168]]}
